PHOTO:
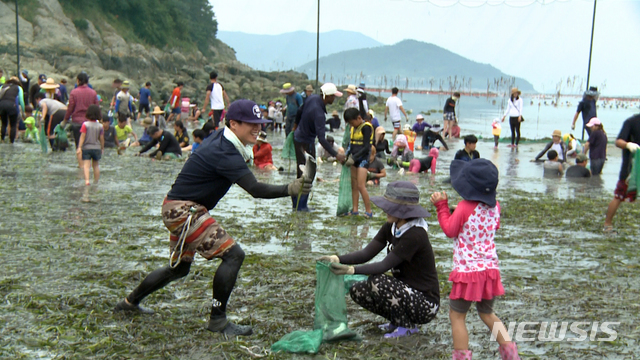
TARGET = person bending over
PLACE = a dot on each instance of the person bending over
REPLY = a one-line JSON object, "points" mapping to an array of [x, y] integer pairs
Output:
{"points": [[220, 162], [412, 295]]}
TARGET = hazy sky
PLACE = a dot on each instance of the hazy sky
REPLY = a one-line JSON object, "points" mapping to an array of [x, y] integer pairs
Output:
{"points": [[542, 43]]}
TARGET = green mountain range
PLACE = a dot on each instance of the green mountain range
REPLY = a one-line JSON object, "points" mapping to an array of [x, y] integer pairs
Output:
{"points": [[289, 50], [410, 64]]}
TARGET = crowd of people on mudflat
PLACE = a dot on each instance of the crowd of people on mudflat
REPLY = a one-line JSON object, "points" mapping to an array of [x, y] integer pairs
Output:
{"points": [[230, 137]]}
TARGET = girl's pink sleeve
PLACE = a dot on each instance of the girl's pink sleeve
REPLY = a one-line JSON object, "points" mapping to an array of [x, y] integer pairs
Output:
{"points": [[498, 207], [451, 224]]}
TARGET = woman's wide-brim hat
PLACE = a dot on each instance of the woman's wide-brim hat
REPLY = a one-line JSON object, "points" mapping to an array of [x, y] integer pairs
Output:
{"points": [[475, 180], [516, 91], [147, 121], [287, 88], [157, 111], [50, 84], [351, 89], [401, 199]]}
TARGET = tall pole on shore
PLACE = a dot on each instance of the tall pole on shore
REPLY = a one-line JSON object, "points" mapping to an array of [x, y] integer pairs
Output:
{"points": [[318, 45], [17, 42], [593, 24]]}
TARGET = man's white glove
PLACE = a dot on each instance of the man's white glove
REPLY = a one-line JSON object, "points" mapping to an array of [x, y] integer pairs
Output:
{"points": [[632, 147], [329, 258], [299, 186], [349, 161], [340, 269]]}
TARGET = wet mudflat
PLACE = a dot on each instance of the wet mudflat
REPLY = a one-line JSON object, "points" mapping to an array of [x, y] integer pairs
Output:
{"points": [[66, 262]]}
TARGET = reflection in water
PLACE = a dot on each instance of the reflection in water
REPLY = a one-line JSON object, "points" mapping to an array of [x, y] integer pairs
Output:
{"points": [[365, 231], [85, 194], [551, 186], [511, 171]]}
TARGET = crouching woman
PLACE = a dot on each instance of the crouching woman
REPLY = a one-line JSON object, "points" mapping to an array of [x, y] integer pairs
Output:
{"points": [[411, 296]]}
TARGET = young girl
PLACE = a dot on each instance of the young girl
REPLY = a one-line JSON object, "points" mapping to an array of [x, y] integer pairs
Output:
{"points": [[596, 146], [573, 145], [361, 136], [475, 274], [376, 168], [422, 165], [278, 117], [496, 130], [412, 295], [181, 133], [382, 145], [91, 144], [401, 155]]}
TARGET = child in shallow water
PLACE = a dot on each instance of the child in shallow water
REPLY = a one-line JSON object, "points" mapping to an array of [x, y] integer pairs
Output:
{"points": [[91, 144], [401, 155], [358, 151], [423, 165], [475, 274]]}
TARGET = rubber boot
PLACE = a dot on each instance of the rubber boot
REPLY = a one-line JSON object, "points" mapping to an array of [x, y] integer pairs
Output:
{"points": [[125, 306], [461, 355], [509, 351], [303, 203], [218, 323]]}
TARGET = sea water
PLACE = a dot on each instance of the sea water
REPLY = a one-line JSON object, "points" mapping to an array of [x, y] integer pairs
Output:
{"points": [[476, 113]]}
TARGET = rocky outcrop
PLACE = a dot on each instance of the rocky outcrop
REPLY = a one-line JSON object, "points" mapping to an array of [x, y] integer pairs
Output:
{"points": [[51, 44]]}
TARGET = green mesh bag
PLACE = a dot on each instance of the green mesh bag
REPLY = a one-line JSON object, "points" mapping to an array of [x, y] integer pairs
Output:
{"points": [[634, 175], [346, 137], [331, 307], [300, 342], [44, 141], [345, 204], [330, 323], [288, 149]]}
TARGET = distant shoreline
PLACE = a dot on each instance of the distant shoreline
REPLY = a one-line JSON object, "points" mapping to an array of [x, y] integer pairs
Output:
{"points": [[493, 94]]}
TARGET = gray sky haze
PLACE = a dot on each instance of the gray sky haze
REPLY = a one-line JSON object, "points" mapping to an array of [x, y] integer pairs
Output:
{"points": [[542, 43]]}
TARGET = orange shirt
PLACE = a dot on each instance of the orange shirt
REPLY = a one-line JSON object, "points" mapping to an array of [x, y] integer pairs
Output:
{"points": [[176, 98]]}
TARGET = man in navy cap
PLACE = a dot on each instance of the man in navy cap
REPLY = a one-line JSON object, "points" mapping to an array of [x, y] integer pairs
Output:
{"points": [[221, 161], [42, 78], [312, 126]]}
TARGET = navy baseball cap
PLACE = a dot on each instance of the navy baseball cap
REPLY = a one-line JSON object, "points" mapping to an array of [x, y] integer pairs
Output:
{"points": [[42, 77], [246, 111]]}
